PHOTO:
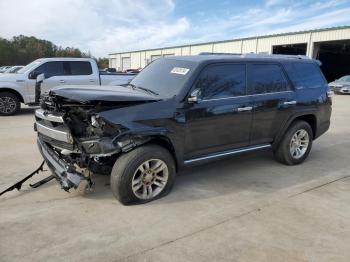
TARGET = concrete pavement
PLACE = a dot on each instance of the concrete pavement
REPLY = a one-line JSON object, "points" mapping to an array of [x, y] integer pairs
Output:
{"points": [[247, 208]]}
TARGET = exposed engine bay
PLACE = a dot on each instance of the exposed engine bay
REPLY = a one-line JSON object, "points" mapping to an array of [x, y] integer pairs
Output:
{"points": [[76, 141]]}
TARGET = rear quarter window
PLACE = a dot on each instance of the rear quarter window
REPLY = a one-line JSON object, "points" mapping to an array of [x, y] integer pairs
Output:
{"points": [[305, 75]]}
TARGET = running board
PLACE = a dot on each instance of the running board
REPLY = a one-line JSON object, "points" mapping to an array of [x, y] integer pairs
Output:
{"points": [[226, 153]]}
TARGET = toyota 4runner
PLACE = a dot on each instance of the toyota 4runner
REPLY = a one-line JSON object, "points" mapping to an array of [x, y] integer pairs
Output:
{"points": [[181, 111]]}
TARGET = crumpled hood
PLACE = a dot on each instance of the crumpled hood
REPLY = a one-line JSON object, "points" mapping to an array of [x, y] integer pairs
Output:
{"points": [[11, 77], [88, 93]]}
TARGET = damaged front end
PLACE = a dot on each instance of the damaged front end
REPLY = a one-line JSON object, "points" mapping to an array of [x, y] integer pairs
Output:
{"points": [[76, 141]]}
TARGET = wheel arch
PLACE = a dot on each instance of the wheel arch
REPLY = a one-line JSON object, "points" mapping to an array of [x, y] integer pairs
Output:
{"points": [[137, 140], [12, 91], [310, 118], [165, 142]]}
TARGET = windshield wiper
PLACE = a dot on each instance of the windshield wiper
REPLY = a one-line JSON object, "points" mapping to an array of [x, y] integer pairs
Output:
{"points": [[144, 89]]}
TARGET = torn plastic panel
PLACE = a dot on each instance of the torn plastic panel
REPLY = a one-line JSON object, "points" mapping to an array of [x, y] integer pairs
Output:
{"points": [[66, 173]]}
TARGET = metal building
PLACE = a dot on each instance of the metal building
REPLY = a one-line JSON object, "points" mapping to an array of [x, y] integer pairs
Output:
{"points": [[330, 45]]}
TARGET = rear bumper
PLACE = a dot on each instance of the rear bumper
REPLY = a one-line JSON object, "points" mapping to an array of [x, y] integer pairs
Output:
{"points": [[322, 128], [65, 173]]}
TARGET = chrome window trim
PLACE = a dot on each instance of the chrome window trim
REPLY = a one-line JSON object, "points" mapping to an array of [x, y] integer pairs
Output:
{"points": [[205, 100]]}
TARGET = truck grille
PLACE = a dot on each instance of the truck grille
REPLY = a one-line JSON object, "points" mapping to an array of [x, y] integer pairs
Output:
{"points": [[56, 143], [52, 129]]}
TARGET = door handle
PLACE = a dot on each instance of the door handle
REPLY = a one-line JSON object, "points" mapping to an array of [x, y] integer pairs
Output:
{"points": [[290, 102], [62, 81], [244, 109], [92, 80]]}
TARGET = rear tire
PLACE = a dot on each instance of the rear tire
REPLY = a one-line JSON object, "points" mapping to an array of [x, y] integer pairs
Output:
{"points": [[9, 104], [296, 144], [143, 174]]}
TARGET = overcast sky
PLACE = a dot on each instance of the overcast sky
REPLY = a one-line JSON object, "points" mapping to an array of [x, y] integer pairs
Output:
{"points": [[104, 27]]}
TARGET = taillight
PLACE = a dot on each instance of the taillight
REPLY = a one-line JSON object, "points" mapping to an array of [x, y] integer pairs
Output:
{"points": [[330, 95]]}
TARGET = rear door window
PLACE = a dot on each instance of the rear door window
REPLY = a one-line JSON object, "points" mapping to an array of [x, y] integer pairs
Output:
{"points": [[222, 81], [80, 68], [306, 75], [268, 78]]}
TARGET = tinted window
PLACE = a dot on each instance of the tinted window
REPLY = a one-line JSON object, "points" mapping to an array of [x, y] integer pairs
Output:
{"points": [[220, 81], [80, 68], [52, 69], [305, 75], [268, 79]]}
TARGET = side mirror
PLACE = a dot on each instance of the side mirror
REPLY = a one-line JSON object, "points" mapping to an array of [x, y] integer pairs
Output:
{"points": [[40, 78], [34, 74], [194, 96]]}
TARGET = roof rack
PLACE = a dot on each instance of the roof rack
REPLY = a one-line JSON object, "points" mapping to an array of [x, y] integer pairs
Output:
{"points": [[253, 55]]}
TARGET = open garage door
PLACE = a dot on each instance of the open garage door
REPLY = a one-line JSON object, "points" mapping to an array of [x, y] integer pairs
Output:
{"points": [[296, 49], [335, 58]]}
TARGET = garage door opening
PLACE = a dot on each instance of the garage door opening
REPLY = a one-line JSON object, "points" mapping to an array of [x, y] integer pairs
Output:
{"points": [[296, 49], [335, 58], [126, 63]]}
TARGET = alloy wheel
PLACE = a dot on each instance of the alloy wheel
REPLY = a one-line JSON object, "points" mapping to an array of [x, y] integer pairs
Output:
{"points": [[299, 143], [7, 105], [150, 178]]}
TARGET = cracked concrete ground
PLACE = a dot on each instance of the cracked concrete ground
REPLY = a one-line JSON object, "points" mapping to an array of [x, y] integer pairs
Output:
{"points": [[247, 208]]}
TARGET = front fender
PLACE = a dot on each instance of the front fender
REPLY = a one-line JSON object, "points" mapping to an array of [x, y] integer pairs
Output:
{"points": [[9, 86], [158, 135], [132, 138]]}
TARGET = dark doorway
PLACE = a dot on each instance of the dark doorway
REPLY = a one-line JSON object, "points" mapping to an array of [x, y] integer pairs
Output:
{"points": [[335, 58], [296, 49]]}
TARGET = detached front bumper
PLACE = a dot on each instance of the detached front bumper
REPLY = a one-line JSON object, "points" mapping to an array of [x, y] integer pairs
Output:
{"points": [[65, 173]]}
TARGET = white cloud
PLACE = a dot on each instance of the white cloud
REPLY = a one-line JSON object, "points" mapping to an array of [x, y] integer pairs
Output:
{"points": [[98, 26], [275, 16], [120, 25]]}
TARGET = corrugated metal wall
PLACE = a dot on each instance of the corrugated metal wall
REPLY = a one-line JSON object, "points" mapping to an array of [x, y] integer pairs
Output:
{"points": [[261, 44]]}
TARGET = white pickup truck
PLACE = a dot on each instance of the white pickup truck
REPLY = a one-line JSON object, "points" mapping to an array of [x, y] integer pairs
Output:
{"points": [[20, 87]]}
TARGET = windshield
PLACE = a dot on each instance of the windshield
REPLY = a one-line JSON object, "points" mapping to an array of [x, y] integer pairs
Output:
{"points": [[344, 79], [29, 67], [165, 77]]}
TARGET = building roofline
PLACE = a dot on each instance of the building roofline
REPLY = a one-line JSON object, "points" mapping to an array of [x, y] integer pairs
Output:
{"points": [[237, 39]]}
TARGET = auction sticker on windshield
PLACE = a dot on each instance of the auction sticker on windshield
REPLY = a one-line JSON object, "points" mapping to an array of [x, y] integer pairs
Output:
{"points": [[179, 70]]}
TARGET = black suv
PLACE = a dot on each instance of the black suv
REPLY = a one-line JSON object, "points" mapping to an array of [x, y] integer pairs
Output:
{"points": [[180, 111]]}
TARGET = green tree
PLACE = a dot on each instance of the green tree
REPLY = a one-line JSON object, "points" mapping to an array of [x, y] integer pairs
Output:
{"points": [[21, 50], [103, 62]]}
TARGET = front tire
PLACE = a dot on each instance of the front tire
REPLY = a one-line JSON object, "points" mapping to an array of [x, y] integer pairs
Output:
{"points": [[143, 174], [9, 104], [295, 145]]}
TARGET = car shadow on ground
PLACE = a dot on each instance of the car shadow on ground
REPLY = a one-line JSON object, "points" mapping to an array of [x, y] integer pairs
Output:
{"points": [[26, 111], [255, 172]]}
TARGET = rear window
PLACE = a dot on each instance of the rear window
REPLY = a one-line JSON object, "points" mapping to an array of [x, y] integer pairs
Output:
{"points": [[306, 75], [80, 68]]}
